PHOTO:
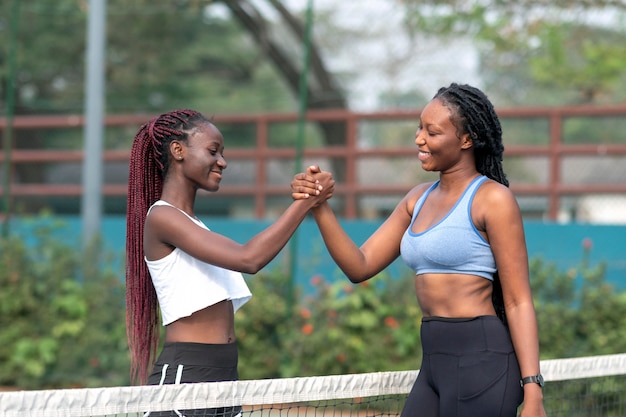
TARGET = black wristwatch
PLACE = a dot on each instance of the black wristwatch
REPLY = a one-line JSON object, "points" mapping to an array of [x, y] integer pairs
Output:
{"points": [[535, 379]]}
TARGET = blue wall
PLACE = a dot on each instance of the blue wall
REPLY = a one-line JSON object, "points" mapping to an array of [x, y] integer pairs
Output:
{"points": [[557, 244]]}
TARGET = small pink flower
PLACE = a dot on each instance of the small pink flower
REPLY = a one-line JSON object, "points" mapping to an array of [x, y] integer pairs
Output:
{"points": [[391, 322], [316, 280], [587, 243], [305, 313]]}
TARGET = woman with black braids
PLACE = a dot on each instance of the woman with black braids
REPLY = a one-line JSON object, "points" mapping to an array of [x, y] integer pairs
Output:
{"points": [[463, 235], [174, 259]]}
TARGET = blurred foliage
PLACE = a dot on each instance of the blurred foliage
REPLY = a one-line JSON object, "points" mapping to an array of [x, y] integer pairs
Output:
{"points": [[62, 318], [536, 52], [195, 53], [62, 321], [341, 328], [188, 54], [367, 327], [578, 312]]}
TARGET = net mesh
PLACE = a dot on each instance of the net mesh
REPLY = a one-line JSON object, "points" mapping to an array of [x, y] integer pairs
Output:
{"points": [[589, 386]]}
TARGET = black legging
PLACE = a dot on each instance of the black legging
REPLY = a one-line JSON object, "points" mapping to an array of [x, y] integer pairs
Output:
{"points": [[469, 368]]}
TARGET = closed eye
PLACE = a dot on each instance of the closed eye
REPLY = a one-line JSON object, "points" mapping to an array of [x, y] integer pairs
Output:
{"points": [[428, 131]]}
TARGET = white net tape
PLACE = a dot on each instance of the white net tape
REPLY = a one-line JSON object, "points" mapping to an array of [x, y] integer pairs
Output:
{"points": [[125, 400]]}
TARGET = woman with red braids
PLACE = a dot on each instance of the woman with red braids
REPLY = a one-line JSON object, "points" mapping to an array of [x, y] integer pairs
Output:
{"points": [[177, 266]]}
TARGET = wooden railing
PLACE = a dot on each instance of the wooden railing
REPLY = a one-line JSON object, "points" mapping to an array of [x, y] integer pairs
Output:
{"points": [[555, 150]]}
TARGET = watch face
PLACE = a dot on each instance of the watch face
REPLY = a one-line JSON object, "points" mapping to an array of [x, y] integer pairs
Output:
{"points": [[540, 380]]}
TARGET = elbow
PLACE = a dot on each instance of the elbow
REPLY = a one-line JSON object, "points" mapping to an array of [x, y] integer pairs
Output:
{"points": [[356, 279], [252, 265], [250, 269]]}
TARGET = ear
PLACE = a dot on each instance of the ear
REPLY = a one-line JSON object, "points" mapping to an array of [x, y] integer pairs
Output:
{"points": [[466, 141], [176, 150]]}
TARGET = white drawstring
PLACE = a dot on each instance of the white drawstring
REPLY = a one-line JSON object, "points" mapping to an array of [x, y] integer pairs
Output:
{"points": [[163, 372], [179, 375]]}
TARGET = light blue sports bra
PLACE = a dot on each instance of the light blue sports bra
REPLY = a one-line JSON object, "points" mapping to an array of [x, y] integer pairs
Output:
{"points": [[452, 246]]}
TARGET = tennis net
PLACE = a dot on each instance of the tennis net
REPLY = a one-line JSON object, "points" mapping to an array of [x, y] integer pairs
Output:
{"points": [[588, 386]]}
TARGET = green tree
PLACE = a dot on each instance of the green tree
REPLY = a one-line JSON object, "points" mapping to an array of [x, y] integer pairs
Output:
{"points": [[533, 52], [159, 56], [217, 57]]}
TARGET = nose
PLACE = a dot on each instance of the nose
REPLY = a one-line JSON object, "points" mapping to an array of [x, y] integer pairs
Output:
{"points": [[221, 161], [419, 138]]}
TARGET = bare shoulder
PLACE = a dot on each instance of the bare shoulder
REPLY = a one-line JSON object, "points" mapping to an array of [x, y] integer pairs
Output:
{"points": [[495, 199], [417, 191], [167, 227], [492, 192], [165, 221], [409, 200], [162, 214]]}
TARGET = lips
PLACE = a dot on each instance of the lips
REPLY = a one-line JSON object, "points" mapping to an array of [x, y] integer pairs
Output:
{"points": [[423, 155]]}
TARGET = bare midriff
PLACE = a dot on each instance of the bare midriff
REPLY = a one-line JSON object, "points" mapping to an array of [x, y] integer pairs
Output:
{"points": [[454, 295], [214, 324]]}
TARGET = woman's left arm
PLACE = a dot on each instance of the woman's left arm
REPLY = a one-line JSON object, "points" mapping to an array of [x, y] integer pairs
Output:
{"points": [[505, 231]]}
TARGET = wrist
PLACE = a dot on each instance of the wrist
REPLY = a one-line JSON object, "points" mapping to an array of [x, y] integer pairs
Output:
{"points": [[320, 207], [532, 393], [532, 380]]}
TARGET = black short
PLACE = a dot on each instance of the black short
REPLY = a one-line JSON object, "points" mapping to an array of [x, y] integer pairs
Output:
{"points": [[180, 363]]}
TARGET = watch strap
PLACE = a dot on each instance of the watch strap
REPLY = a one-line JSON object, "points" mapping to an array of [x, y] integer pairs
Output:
{"points": [[534, 379]]}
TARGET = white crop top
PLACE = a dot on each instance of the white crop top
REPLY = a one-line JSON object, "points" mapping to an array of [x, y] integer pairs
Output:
{"points": [[185, 284]]}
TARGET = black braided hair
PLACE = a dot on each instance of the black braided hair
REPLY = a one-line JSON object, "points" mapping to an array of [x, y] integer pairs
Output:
{"points": [[472, 112]]}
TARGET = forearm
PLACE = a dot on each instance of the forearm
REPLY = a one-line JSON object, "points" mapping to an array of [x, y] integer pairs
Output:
{"points": [[524, 333], [346, 254], [264, 247], [525, 336]]}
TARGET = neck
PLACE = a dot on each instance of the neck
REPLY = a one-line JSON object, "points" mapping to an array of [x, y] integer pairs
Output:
{"points": [[457, 178]]}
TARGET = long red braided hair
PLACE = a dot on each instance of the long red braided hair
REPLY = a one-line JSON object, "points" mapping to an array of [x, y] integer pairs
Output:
{"points": [[149, 162]]}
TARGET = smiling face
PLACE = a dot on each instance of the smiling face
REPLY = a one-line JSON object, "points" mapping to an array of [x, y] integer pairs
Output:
{"points": [[440, 144], [202, 157]]}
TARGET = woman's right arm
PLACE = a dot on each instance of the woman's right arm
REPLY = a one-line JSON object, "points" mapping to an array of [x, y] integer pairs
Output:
{"points": [[172, 228], [378, 251]]}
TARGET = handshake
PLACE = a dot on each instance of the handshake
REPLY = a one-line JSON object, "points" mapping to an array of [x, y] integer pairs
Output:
{"points": [[313, 183]]}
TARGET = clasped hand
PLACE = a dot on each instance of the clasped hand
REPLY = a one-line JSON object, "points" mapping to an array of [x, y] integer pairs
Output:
{"points": [[313, 182]]}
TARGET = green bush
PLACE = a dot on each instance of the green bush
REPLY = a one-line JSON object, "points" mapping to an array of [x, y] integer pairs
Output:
{"points": [[578, 312], [341, 328], [62, 318]]}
